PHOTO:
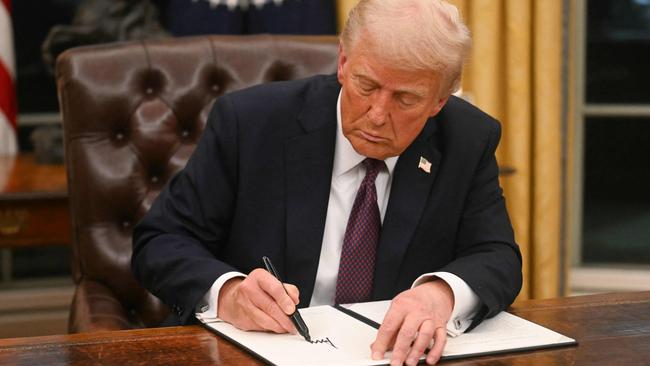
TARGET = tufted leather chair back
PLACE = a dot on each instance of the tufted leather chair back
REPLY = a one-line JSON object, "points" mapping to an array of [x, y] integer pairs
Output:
{"points": [[132, 114]]}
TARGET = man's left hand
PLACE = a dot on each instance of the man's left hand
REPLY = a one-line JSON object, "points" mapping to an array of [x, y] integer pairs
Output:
{"points": [[415, 317]]}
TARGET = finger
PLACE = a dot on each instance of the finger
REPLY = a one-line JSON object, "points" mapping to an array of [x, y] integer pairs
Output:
{"points": [[252, 291], [249, 317], [387, 333], [440, 340], [405, 337], [294, 293], [268, 306], [425, 334], [276, 290], [264, 321], [378, 352]]}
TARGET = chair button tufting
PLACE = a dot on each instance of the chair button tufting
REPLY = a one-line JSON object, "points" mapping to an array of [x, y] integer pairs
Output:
{"points": [[149, 91], [185, 133], [119, 136], [154, 179], [215, 87]]}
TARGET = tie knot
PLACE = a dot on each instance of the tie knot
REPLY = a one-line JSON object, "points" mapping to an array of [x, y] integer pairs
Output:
{"points": [[373, 167]]}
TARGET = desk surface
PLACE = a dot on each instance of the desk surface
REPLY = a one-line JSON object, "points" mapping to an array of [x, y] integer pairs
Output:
{"points": [[21, 176], [610, 329], [33, 203]]}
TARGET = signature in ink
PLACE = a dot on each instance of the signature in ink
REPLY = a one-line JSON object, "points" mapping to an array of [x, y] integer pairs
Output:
{"points": [[325, 340]]}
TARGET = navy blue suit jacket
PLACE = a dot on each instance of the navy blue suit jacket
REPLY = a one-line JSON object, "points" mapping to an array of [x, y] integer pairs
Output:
{"points": [[258, 184]]}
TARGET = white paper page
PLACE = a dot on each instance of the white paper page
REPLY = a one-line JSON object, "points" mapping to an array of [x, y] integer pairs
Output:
{"points": [[503, 332], [351, 337], [374, 310]]}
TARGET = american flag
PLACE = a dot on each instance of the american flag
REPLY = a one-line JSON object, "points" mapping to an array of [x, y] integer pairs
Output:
{"points": [[8, 106], [244, 4], [424, 164]]}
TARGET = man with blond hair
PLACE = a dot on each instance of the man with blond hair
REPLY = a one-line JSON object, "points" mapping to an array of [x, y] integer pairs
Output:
{"points": [[372, 184]]}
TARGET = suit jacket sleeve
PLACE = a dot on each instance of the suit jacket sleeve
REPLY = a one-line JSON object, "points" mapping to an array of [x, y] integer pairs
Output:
{"points": [[175, 245], [487, 257]]}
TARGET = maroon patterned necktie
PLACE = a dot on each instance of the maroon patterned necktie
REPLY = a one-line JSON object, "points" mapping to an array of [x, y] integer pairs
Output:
{"points": [[357, 266]]}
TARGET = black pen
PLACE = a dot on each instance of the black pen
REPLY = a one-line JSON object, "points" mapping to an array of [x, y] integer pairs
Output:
{"points": [[296, 319]]}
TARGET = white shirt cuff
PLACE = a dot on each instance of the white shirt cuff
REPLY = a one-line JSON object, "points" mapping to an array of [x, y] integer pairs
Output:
{"points": [[208, 309], [466, 302]]}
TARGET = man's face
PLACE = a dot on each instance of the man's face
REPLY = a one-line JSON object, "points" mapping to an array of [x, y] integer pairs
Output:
{"points": [[383, 108]]}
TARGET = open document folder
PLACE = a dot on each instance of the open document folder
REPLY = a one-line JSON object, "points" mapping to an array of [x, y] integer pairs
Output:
{"points": [[342, 336]]}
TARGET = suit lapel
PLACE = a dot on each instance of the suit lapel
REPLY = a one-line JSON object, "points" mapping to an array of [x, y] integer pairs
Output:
{"points": [[408, 197], [309, 158]]}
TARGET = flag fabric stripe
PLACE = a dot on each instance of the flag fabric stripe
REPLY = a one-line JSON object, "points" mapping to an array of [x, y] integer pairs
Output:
{"points": [[7, 96], [6, 41], [7, 137], [8, 109]]}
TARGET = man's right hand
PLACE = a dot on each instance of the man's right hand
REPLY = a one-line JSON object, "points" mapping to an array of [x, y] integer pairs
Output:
{"points": [[258, 302]]}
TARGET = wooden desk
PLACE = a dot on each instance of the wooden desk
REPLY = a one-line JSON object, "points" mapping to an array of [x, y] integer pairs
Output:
{"points": [[33, 203], [611, 329]]}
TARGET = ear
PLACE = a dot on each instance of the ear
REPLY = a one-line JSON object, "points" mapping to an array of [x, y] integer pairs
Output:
{"points": [[342, 60], [438, 106]]}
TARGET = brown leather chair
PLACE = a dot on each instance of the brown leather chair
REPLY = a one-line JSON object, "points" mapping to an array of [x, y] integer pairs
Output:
{"points": [[132, 114]]}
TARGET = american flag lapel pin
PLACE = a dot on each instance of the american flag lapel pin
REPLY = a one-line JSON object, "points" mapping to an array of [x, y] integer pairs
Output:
{"points": [[425, 165]]}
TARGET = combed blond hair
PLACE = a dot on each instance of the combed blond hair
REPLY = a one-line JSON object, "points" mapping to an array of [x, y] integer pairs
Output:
{"points": [[424, 35]]}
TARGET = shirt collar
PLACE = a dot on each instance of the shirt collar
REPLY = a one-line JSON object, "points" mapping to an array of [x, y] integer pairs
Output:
{"points": [[345, 157]]}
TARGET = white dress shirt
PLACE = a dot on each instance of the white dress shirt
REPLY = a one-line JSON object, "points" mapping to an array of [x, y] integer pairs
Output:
{"points": [[347, 174]]}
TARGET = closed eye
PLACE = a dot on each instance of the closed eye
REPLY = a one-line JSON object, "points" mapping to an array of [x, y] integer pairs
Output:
{"points": [[366, 87], [407, 99]]}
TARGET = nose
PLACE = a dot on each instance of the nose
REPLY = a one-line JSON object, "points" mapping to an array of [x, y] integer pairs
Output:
{"points": [[378, 110]]}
